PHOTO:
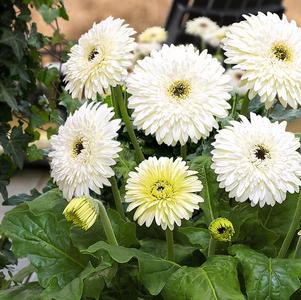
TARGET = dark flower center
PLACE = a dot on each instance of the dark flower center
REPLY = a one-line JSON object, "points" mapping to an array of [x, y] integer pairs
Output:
{"points": [[221, 230], [93, 54], [78, 147], [261, 152], [179, 89], [282, 52]]}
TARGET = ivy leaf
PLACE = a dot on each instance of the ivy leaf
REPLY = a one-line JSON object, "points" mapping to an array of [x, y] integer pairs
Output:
{"points": [[211, 192], [30, 291], [215, 279], [267, 278], [33, 153], [49, 14], [15, 145], [8, 95], [6, 170], [68, 102], [15, 40], [153, 271], [39, 231]]}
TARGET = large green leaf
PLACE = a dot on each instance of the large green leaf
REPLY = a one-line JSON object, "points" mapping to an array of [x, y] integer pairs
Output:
{"points": [[30, 291], [267, 278], [39, 232], [211, 192], [153, 271], [216, 279]]}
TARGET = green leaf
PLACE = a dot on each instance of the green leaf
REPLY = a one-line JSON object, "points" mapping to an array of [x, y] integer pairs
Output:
{"points": [[51, 131], [197, 236], [158, 248], [6, 170], [33, 153], [39, 231], [267, 278], [67, 101], [35, 39], [17, 199], [8, 95], [23, 273], [15, 40], [279, 113], [153, 271], [49, 14], [74, 289], [39, 116], [211, 192], [30, 291], [216, 279], [48, 76], [15, 145]]}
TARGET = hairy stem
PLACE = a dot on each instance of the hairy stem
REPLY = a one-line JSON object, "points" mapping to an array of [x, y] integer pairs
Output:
{"points": [[107, 226], [126, 119], [116, 195], [170, 245], [292, 230]]}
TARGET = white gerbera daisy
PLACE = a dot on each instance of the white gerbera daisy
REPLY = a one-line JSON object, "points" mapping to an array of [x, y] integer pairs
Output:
{"points": [[163, 190], [100, 59], [268, 49], [84, 149], [177, 93], [238, 87], [200, 26], [155, 34], [257, 160], [216, 37]]}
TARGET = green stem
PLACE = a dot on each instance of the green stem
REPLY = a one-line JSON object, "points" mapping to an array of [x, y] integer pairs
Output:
{"points": [[184, 151], [170, 245], [297, 252], [295, 224], [107, 226], [124, 113], [116, 195], [211, 247], [245, 106], [234, 106], [115, 104], [203, 45]]}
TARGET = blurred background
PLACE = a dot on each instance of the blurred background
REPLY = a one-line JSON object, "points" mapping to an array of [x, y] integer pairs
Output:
{"points": [[140, 14]]}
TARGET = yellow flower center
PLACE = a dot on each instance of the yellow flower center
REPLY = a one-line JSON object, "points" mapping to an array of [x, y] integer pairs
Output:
{"points": [[179, 89], [261, 152], [93, 53], [282, 52], [162, 190], [77, 147]]}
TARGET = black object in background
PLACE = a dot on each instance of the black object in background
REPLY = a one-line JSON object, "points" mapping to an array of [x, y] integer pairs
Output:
{"points": [[223, 12]]}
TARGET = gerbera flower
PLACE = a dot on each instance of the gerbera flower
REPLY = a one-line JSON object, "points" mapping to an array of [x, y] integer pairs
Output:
{"points": [[257, 160], [215, 38], [221, 229], [100, 59], [177, 93], [200, 26], [163, 190], [82, 211], [84, 149], [268, 49], [237, 86], [155, 34]]}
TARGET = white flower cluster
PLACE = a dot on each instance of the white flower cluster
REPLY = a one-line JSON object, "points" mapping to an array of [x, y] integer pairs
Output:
{"points": [[178, 94]]}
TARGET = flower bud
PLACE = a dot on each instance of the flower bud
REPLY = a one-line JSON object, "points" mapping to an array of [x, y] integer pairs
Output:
{"points": [[221, 229]]}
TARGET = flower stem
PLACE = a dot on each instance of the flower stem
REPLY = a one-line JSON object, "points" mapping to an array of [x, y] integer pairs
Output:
{"points": [[184, 151], [211, 247], [245, 106], [234, 105], [297, 252], [116, 195], [125, 117], [115, 104], [170, 245], [107, 226], [292, 230]]}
